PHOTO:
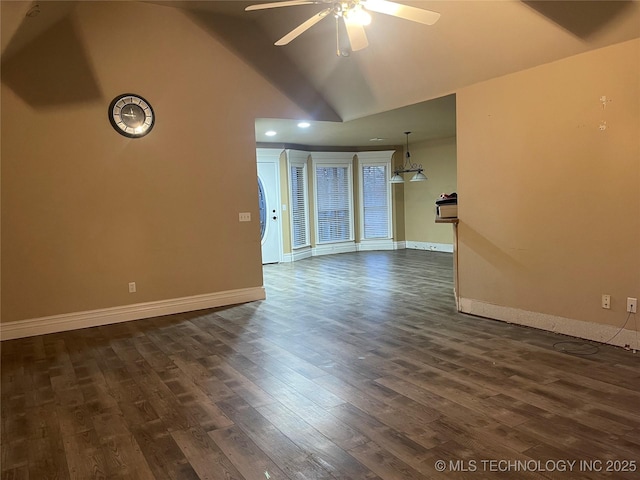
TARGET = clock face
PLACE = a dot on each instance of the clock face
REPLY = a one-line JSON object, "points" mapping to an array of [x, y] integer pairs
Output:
{"points": [[131, 115]]}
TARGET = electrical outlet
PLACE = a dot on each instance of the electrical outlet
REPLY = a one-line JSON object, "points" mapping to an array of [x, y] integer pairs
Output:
{"points": [[632, 305], [244, 216], [132, 287], [606, 301]]}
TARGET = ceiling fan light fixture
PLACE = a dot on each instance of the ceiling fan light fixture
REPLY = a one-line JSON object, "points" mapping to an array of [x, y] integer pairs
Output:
{"points": [[357, 14], [388, 8]]}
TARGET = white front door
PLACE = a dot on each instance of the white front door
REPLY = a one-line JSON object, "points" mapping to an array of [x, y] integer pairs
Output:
{"points": [[269, 198]]}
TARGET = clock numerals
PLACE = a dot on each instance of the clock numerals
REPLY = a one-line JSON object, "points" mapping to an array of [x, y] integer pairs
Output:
{"points": [[131, 115]]}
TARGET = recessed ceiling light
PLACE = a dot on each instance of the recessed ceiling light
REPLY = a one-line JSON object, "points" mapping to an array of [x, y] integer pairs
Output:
{"points": [[270, 133], [377, 139], [304, 125]]}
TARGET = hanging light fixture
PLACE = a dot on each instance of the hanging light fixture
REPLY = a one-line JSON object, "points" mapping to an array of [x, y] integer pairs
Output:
{"points": [[409, 167]]}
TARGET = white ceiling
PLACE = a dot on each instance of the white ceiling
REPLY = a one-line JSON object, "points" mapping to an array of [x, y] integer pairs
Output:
{"points": [[397, 83]]}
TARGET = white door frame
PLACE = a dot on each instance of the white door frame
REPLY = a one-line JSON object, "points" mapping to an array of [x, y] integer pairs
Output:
{"points": [[272, 156]]}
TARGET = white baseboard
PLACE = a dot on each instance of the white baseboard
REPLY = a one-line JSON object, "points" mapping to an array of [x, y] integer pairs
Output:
{"points": [[567, 326], [125, 313], [331, 248], [434, 247], [371, 245], [299, 254]]}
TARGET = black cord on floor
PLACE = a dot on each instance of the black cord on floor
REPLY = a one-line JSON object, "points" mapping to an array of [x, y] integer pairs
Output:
{"points": [[620, 329], [576, 348], [584, 348]]}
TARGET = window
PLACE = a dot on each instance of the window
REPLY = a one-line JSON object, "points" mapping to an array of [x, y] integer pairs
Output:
{"points": [[299, 206], [375, 206], [375, 197], [334, 202]]}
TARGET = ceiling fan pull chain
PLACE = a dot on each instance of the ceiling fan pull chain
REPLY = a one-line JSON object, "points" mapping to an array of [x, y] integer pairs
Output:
{"points": [[338, 53]]}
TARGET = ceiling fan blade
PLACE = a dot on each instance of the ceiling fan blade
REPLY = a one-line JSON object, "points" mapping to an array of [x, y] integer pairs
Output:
{"points": [[356, 34], [288, 3], [303, 27], [427, 17]]}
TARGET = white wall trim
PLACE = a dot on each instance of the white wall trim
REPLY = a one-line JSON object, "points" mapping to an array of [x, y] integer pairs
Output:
{"points": [[331, 248], [381, 156], [298, 254], [371, 245], [434, 247], [368, 246], [375, 159], [567, 326], [268, 154], [272, 240], [333, 160], [125, 313], [332, 157], [298, 158]]}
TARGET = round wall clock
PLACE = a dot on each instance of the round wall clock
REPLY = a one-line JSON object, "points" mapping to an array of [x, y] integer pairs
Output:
{"points": [[131, 115]]}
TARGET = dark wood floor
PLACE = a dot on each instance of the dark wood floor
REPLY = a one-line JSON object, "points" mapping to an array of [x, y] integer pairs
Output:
{"points": [[357, 366]]}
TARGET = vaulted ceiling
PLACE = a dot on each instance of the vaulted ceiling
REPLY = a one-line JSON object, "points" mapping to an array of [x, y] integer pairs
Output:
{"points": [[405, 80]]}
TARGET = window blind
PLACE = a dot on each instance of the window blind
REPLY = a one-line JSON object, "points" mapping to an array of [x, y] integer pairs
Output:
{"points": [[333, 204], [375, 201], [298, 207]]}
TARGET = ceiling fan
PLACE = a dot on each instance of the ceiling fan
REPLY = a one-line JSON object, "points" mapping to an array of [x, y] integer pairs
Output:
{"points": [[354, 14]]}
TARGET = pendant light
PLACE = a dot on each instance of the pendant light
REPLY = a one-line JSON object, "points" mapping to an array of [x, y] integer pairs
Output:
{"points": [[409, 167]]}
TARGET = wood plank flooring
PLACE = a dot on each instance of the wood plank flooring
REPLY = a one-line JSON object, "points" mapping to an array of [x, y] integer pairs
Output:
{"points": [[357, 366]]}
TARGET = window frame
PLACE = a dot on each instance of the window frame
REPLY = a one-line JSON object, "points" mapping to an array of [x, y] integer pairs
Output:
{"points": [[378, 158], [333, 160], [296, 158]]}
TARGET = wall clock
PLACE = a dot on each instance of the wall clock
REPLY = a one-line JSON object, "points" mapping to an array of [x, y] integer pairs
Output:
{"points": [[131, 115]]}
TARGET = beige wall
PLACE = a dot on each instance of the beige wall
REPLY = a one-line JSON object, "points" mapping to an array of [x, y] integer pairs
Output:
{"points": [[550, 204], [285, 196], [439, 161], [86, 210], [397, 199]]}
